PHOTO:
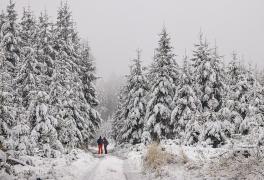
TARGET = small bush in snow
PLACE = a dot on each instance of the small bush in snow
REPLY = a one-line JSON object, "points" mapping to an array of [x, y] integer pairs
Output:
{"points": [[155, 158]]}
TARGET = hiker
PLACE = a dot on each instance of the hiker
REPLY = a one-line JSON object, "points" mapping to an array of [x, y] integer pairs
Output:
{"points": [[100, 145], [105, 142]]}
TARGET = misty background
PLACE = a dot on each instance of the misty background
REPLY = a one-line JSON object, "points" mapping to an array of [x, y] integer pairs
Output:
{"points": [[116, 28]]}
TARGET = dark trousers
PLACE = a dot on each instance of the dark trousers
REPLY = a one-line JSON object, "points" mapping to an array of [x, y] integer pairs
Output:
{"points": [[105, 148]]}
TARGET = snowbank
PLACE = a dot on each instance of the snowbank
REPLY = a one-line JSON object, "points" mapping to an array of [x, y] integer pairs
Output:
{"points": [[186, 162], [67, 167]]}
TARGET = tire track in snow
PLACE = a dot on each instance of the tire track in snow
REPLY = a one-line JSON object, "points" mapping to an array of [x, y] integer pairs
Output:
{"points": [[130, 171], [108, 168], [90, 174]]}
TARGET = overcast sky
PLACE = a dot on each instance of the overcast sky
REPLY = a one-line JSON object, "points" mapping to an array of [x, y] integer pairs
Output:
{"points": [[116, 28]]}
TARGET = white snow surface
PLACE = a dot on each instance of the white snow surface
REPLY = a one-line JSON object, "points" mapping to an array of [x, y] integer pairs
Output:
{"points": [[187, 162], [107, 168], [67, 167], [79, 165], [127, 163]]}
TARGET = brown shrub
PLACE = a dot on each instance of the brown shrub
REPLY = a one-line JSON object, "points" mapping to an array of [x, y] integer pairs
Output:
{"points": [[155, 158]]}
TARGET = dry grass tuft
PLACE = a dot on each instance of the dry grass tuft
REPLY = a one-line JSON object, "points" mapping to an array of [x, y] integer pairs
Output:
{"points": [[155, 158]]}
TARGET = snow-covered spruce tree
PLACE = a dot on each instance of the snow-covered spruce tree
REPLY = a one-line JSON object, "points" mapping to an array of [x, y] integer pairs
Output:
{"points": [[45, 51], [7, 110], [66, 128], [134, 107], [163, 77], [253, 100], [32, 87], [44, 47], [43, 126], [210, 89], [118, 117], [28, 78], [186, 104], [65, 34], [10, 47], [73, 112], [219, 127], [193, 130], [245, 98], [87, 74], [62, 93], [261, 77], [209, 76], [236, 82], [11, 105], [2, 21], [10, 38], [28, 29], [19, 142]]}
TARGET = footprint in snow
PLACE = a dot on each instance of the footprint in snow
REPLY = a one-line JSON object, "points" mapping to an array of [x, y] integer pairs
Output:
{"points": [[111, 170]]}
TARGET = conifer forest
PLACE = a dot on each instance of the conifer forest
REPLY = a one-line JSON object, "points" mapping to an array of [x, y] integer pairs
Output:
{"points": [[196, 116]]}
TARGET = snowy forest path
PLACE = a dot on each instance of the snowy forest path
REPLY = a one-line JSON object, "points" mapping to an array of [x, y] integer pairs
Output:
{"points": [[112, 166], [108, 168]]}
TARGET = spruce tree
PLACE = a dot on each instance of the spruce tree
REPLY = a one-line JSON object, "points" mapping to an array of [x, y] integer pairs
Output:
{"points": [[7, 110], [32, 86], [77, 119], [134, 107], [261, 77], [185, 102], [209, 77], [88, 78], [28, 29], [43, 125], [118, 117], [10, 102], [2, 21], [193, 130], [16, 129], [44, 46], [234, 76], [61, 92], [10, 38], [244, 97], [87, 74], [27, 79], [218, 126], [253, 100], [163, 77], [210, 89]]}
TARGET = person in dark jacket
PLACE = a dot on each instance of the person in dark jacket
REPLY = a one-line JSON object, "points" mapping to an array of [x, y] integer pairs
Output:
{"points": [[105, 142], [100, 145]]}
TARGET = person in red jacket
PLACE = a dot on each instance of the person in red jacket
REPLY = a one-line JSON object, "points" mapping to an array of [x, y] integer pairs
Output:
{"points": [[100, 145]]}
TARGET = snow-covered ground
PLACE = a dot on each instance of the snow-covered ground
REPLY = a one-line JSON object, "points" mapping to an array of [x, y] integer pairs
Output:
{"points": [[108, 168], [78, 165], [129, 163], [67, 167], [185, 162], [117, 165]]}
